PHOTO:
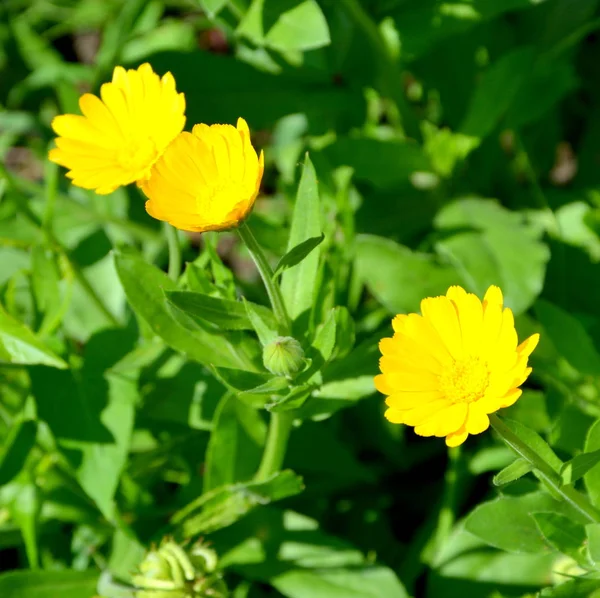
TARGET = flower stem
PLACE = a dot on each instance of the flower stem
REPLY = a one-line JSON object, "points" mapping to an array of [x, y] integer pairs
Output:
{"points": [[266, 273], [545, 471], [277, 439], [174, 251]]}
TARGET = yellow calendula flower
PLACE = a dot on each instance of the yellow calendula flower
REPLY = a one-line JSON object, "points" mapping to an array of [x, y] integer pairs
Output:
{"points": [[207, 179], [444, 371], [120, 136]]}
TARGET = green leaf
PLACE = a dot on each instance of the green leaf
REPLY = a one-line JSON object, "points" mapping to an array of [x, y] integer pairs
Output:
{"points": [[45, 283], [506, 522], [491, 249], [382, 163], [144, 286], [496, 91], [592, 477], [535, 442], [25, 508], [308, 562], [512, 472], [224, 313], [48, 584], [561, 533], [266, 330], [297, 254], [235, 446], [398, 277], [225, 505], [301, 28], [578, 466], [569, 337], [298, 284], [94, 424], [574, 588], [16, 448], [592, 531], [18, 345], [213, 7]]}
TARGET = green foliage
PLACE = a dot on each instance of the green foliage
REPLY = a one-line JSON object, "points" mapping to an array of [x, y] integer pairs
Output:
{"points": [[410, 145]]}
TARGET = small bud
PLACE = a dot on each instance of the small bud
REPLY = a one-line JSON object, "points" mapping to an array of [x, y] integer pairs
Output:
{"points": [[283, 356], [172, 572]]}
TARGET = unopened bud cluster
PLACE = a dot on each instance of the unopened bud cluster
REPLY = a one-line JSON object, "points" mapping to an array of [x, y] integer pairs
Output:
{"points": [[172, 572]]}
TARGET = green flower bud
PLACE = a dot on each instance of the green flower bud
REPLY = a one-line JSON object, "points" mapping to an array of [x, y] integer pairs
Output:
{"points": [[172, 572], [283, 356]]}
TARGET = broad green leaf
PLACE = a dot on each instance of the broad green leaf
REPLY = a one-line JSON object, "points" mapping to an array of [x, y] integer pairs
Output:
{"points": [[569, 337], [293, 400], [491, 249], [227, 504], [144, 286], [94, 424], [224, 313], [298, 284], [48, 584], [266, 330], [592, 477], [307, 563], [561, 533], [16, 448], [251, 25], [506, 522], [592, 531], [578, 466], [235, 445], [517, 469], [398, 277], [297, 254], [301, 28], [213, 7], [382, 163], [18, 345], [496, 91]]}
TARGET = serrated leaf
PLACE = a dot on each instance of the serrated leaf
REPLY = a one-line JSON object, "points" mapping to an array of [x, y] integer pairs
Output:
{"points": [[512, 472], [297, 254]]}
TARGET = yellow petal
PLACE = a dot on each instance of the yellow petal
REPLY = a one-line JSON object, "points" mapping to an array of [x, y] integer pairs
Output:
{"points": [[441, 314], [457, 438], [477, 420]]}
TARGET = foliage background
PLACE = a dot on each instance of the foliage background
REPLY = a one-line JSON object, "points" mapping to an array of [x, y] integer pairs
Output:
{"points": [[453, 143]]}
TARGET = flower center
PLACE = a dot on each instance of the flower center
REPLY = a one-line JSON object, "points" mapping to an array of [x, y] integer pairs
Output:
{"points": [[466, 380], [137, 156]]}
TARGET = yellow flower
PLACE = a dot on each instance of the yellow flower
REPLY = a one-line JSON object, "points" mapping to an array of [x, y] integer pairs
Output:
{"points": [[207, 179], [446, 370], [119, 137]]}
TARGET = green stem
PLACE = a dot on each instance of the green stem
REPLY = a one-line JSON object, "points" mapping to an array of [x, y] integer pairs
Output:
{"points": [[174, 251], [545, 471], [277, 439], [266, 273]]}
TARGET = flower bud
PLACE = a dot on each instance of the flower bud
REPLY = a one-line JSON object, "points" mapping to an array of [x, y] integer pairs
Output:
{"points": [[172, 572], [283, 356]]}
